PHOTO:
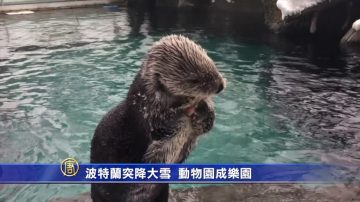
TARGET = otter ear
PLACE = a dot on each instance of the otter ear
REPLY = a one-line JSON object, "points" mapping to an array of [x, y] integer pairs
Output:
{"points": [[161, 91], [158, 83]]}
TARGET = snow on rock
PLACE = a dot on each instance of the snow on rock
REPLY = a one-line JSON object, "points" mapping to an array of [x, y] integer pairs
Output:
{"points": [[353, 35], [20, 12], [291, 7], [356, 25]]}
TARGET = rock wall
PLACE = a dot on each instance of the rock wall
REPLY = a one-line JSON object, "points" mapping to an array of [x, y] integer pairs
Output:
{"points": [[312, 20], [272, 15], [238, 5]]}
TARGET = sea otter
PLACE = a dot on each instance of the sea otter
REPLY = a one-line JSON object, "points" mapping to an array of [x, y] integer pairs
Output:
{"points": [[168, 106]]}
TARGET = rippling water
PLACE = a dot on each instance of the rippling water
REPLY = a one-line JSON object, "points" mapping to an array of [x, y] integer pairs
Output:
{"points": [[61, 71]]}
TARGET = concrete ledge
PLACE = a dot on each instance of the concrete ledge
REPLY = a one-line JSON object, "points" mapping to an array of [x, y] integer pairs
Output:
{"points": [[254, 193], [57, 5]]}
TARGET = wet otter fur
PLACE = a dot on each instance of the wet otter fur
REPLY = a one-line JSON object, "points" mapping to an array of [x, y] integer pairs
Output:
{"points": [[168, 106]]}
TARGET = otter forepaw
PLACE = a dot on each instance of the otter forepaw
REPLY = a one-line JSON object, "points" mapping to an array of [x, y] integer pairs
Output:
{"points": [[203, 118]]}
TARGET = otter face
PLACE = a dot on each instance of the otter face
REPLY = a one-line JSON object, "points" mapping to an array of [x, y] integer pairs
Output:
{"points": [[182, 68]]}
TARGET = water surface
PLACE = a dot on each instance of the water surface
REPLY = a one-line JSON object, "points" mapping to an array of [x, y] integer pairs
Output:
{"points": [[61, 71]]}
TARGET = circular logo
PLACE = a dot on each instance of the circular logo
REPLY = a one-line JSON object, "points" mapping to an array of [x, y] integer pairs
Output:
{"points": [[69, 167]]}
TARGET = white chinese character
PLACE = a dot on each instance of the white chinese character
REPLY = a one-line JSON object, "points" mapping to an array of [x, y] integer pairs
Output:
{"points": [[208, 173], [128, 173], [103, 173], [140, 173], [165, 173], [233, 173], [184, 174], [152, 173], [115, 173], [245, 173], [90, 173], [221, 173], [196, 173]]}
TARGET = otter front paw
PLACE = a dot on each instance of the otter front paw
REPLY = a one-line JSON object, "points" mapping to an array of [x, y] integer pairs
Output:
{"points": [[203, 117], [167, 127]]}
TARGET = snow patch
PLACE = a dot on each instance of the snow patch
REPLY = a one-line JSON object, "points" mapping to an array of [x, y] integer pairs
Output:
{"points": [[25, 12], [356, 25], [292, 7]]}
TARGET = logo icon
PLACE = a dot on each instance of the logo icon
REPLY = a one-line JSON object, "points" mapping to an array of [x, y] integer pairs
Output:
{"points": [[69, 167]]}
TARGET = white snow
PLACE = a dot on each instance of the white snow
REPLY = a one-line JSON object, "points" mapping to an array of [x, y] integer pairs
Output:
{"points": [[356, 25], [291, 7], [20, 12]]}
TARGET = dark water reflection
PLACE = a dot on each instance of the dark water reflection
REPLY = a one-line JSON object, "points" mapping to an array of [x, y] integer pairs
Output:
{"points": [[316, 86]]}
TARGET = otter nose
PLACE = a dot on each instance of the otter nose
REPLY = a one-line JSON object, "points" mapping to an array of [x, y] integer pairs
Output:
{"points": [[221, 87]]}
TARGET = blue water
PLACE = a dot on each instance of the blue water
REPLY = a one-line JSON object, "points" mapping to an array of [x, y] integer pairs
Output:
{"points": [[61, 71]]}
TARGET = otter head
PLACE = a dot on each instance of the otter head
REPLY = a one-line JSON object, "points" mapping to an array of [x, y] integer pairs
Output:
{"points": [[179, 67]]}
